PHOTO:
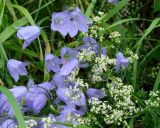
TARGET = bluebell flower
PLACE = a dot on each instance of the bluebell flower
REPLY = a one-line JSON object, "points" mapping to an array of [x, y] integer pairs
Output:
{"points": [[59, 80], [36, 97], [8, 123], [103, 51], [69, 22], [19, 93], [60, 22], [92, 92], [90, 42], [68, 67], [28, 34], [71, 96], [121, 61], [35, 101], [67, 53], [16, 68], [66, 109], [52, 63]]}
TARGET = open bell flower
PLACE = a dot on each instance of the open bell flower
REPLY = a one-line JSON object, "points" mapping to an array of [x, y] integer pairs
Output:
{"points": [[16, 68], [8, 123], [121, 61], [35, 101], [68, 67], [67, 22], [36, 96], [5, 107], [28, 34], [92, 92], [52, 63]]}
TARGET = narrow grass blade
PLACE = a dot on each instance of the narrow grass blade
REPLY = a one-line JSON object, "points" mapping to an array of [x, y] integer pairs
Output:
{"points": [[138, 45], [14, 105], [10, 30], [25, 13], [114, 11], [157, 82], [2, 10], [89, 9], [11, 10], [149, 54], [119, 22]]}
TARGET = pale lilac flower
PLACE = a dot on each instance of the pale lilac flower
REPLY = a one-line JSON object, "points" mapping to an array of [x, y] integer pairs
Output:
{"points": [[60, 22], [59, 80], [103, 51], [35, 101], [68, 67], [16, 68], [66, 109], [8, 123], [28, 34], [70, 96], [18, 92], [52, 63], [69, 22], [121, 61], [90, 42], [36, 97], [92, 92], [67, 53]]}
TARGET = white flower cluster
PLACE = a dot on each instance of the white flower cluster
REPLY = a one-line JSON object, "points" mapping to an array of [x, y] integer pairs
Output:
{"points": [[78, 81], [95, 30], [84, 121], [73, 118], [74, 94], [115, 37], [47, 121], [118, 110], [77, 119], [86, 54], [154, 100], [102, 64], [132, 57], [30, 123], [81, 84]]}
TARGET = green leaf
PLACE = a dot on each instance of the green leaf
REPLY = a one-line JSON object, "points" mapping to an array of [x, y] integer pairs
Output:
{"points": [[114, 11], [149, 54], [89, 9], [25, 13], [10, 30], [13, 103], [2, 6], [157, 82], [139, 44], [157, 5], [118, 23]]}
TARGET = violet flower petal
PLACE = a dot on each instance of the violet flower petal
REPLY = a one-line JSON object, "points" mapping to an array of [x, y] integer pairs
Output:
{"points": [[92, 92], [28, 34], [16, 68], [35, 102], [121, 61], [59, 81], [69, 67], [52, 63]]}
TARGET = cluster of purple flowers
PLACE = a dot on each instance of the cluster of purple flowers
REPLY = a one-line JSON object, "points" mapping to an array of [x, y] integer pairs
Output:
{"points": [[35, 97]]}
